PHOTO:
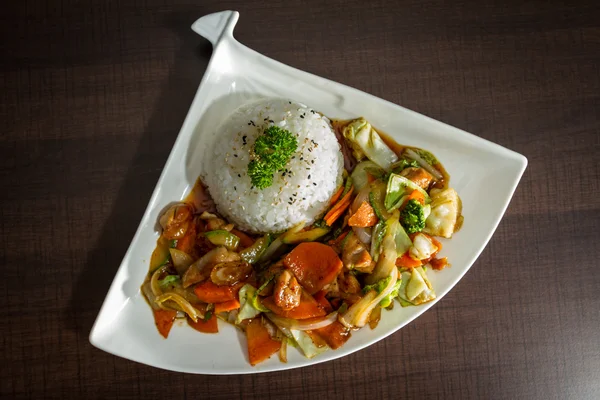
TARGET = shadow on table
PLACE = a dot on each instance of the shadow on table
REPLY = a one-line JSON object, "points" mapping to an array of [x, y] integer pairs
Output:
{"points": [[143, 173]]}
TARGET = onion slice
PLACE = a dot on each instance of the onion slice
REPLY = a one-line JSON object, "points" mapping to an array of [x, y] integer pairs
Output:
{"points": [[358, 314], [363, 234], [305, 324], [154, 284], [362, 195], [415, 156], [185, 305]]}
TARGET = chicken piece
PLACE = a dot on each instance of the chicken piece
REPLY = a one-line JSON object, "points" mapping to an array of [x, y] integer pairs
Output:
{"points": [[356, 256], [176, 220], [230, 272], [347, 283], [201, 269], [272, 272], [214, 223], [287, 291], [419, 176]]}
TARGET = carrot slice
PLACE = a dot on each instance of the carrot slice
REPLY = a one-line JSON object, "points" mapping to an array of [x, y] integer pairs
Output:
{"points": [[337, 195], [164, 321], [208, 292], [227, 306], [416, 195], [335, 335], [407, 261], [337, 210], [260, 344], [188, 242], [308, 308], [245, 240], [205, 325], [323, 302], [363, 217], [338, 213], [314, 264]]}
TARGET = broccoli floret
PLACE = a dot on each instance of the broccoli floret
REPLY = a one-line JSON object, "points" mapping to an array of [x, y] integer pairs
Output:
{"points": [[272, 151], [412, 217]]}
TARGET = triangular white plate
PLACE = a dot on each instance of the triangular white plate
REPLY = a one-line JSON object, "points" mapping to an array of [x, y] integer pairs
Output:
{"points": [[484, 174]]}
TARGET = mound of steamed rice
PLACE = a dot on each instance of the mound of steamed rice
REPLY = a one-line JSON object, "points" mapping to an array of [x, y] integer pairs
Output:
{"points": [[300, 193]]}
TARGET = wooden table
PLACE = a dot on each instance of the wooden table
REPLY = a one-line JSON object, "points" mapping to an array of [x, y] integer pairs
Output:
{"points": [[93, 96]]}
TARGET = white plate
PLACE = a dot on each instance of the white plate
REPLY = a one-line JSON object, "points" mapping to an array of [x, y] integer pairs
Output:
{"points": [[484, 174]]}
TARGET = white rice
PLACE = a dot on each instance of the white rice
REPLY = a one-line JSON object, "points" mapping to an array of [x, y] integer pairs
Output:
{"points": [[301, 195]]}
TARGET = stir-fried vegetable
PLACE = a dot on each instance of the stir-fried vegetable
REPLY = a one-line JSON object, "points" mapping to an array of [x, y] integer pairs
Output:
{"points": [[247, 309], [397, 188], [412, 216], [358, 314], [363, 217], [253, 253], [223, 238], [373, 243], [308, 308], [314, 264], [445, 212], [260, 344], [366, 142], [164, 321], [425, 160], [181, 260], [362, 172]]}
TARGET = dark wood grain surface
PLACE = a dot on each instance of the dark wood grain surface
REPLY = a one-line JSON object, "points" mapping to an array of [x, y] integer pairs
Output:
{"points": [[93, 94]]}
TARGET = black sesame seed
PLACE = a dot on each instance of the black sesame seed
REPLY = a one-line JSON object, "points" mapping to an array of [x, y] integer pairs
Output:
{"points": [[312, 161], [291, 199], [234, 188], [290, 102], [314, 184], [308, 176], [304, 198], [301, 158], [302, 116], [295, 194], [271, 121], [235, 155], [239, 176], [249, 123]]}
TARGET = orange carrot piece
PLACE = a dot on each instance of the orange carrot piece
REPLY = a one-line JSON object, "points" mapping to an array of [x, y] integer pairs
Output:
{"points": [[208, 292], [227, 306], [308, 308], [314, 265], [338, 240], [417, 195], [407, 261], [439, 264], [260, 344], [188, 242], [343, 203], [206, 326], [323, 302], [338, 213], [337, 195], [335, 335], [245, 240], [363, 217], [164, 321]]}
